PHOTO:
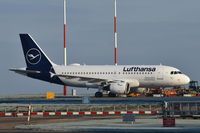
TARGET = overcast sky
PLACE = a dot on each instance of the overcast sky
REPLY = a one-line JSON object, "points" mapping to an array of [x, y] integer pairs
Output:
{"points": [[150, 32]]}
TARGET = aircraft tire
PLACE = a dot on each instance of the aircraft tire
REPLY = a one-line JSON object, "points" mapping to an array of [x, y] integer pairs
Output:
{"points": [[98, 94], [112, 94]]}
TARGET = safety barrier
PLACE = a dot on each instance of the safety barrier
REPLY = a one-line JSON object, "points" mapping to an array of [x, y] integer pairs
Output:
{"points": [[79, 113]]}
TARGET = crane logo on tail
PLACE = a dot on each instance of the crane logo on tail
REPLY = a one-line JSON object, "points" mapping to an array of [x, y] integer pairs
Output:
{"points": [[33, 56]]}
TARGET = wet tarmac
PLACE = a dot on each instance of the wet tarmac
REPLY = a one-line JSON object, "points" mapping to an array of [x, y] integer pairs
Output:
{"points": [[105, 100], [117, 126]]}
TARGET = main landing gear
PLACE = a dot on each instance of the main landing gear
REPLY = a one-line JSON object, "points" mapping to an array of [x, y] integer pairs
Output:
{"points": [[98, 94], [110, 94]]}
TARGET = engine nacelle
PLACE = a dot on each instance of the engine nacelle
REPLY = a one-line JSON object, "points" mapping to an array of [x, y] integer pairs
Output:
{"points": [[119, 87], [133, 83]]}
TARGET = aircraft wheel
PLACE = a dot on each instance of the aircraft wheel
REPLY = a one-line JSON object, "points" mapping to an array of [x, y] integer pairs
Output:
{"points": [[112, 94], [98, 94]]}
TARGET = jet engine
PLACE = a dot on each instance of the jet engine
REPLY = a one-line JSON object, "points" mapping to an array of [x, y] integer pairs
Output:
{"points": [[119, 87]]}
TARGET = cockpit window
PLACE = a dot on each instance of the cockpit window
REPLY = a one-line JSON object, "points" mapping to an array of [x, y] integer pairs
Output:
{"points": [[175, 72]]}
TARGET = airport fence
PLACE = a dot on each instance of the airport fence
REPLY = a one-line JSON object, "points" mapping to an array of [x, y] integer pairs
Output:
{"points": [[80, 109], [174, 109]]}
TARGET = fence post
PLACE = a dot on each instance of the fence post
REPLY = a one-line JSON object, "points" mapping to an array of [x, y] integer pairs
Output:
{"points": [[29, 114]]}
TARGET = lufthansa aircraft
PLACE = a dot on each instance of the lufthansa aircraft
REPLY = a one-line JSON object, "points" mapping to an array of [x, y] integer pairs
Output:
{"points": [[121, 79]]}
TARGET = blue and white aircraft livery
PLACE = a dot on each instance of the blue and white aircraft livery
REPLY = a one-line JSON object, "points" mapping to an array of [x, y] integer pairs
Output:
{"points": [[120, 79]]}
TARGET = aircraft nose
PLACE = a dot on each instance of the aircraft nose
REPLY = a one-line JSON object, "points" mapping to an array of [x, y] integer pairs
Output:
{"points": [[186, 79]]}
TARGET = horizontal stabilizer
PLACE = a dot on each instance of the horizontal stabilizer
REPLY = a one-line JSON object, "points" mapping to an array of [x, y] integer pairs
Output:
{"points": [[24, 72]]}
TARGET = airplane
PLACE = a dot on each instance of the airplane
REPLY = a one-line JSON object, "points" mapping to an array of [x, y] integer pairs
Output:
{"points": [[120, 79]]}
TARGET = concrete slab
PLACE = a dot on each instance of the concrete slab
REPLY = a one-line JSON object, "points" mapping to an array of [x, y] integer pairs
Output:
{"points": [[116, 125]]}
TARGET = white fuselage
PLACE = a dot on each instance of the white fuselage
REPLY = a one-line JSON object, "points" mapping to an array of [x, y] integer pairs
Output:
{"points": [[147, 75]]}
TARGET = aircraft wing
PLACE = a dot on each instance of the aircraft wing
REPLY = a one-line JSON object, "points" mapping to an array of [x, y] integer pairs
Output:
{"points": [[80, 78]]}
